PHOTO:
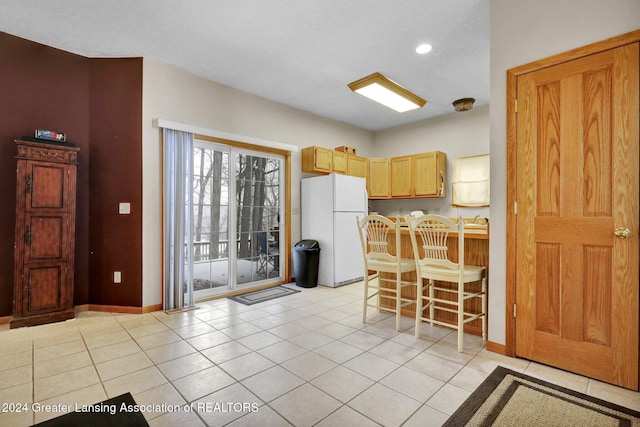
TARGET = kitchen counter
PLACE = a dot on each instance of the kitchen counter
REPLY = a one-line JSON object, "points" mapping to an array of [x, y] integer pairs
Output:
{"points": [[478, 232]]}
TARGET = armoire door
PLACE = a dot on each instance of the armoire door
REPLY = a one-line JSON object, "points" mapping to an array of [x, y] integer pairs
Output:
{"points": [[577, 216], [46, 237], [44, 233], [45, 275]]}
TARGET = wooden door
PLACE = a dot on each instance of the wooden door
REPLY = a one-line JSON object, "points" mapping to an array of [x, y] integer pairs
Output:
{"points": [[577, 183]]}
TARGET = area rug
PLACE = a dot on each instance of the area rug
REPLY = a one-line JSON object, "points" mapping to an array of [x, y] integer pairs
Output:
{"points": [[263, 295], [115, 412], [508, 398]]}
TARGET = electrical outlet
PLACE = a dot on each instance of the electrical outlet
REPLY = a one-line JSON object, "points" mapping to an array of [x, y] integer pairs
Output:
{"points": [[117, 277]]}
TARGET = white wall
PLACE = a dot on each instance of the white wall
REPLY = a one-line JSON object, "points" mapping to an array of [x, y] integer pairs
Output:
{"points": [[523, 31], [175, 95], [456, 134]]}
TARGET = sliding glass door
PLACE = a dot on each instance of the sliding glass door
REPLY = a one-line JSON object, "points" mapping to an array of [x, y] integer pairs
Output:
{"points": [[237, 200], [210, 224], [258, 220]]}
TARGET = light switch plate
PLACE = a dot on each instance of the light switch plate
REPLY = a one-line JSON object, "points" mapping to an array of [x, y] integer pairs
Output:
{"points": [[117, 277], [124, 208]]}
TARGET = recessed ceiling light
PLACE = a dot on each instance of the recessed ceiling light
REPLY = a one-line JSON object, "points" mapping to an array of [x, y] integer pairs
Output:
{"points": [[423, 48]]}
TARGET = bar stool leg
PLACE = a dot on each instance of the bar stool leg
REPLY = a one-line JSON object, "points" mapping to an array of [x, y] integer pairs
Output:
{"points": [[398, 299], [366, 298], [419, 307], [484, 309], [431, 302], [460, 316]]}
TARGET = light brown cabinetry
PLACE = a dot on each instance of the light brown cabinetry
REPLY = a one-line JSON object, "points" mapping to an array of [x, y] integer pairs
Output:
{"points": [[402, 176], [356, 166], [416, 175], [429, 174], [317, 160], [324, 160], [45, 233], [378, 181], [339, 162]]}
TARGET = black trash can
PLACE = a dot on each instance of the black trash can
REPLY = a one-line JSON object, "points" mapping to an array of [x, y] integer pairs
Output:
{"points": [[306, 256]]}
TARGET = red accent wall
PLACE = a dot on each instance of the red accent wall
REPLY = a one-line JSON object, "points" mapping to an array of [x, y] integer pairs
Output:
{"points": [[46, 88], [116, 176]]}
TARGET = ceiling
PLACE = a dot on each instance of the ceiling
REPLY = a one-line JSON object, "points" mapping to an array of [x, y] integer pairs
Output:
{"points": [[299, 53]]}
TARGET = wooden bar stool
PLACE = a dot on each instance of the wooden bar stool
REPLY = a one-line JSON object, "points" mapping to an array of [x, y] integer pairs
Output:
{"points": [[429, 234], [374, 231]]}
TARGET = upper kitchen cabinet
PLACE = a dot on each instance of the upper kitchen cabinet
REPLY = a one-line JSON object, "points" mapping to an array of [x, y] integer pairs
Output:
{"points": [[402, 176], [378, 180], [325, 160], [317, 160], [356, 166], [430, 174], [339, 162], [418, 175]]}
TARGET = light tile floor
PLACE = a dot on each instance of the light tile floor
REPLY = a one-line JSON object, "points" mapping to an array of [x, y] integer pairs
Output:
{"points": [[303, 360]]}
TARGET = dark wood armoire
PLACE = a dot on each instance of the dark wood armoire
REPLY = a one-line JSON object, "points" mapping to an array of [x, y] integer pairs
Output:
{"points": [[45, 233]]}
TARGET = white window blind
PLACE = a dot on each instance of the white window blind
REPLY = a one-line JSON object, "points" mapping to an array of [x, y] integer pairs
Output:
{"points": [[470, 181]]}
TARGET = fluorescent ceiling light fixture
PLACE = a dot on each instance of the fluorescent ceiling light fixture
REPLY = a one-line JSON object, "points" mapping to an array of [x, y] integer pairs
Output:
{"points": [[380, 89]]}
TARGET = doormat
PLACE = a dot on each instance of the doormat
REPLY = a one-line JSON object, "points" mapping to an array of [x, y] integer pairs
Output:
{"points": [[263, 295], [115, 412], [508, 398]]}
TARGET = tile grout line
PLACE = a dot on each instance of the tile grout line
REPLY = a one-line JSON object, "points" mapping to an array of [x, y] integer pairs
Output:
{"points": [[375, 382], [84, 341], [168, 381]]}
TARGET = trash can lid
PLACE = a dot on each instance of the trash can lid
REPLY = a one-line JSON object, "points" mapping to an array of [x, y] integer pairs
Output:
{"points": [[307, 244]]}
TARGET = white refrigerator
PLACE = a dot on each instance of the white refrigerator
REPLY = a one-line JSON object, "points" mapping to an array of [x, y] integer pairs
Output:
{"points": [[329, 207]]}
